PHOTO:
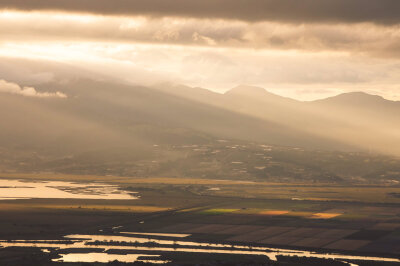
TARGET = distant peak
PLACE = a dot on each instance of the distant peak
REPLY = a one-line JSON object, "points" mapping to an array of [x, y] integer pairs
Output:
{"points": [[247, 90], [358, 95], [256, 93], [355, 97]]}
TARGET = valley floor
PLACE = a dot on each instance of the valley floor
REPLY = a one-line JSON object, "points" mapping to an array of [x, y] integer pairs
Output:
{"points": [[362, 220]]}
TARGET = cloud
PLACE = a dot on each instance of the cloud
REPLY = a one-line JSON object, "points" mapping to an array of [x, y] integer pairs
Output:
{"points": [[289, 73], [212, 53], [293, 11], [13, 88], [365, 38]]}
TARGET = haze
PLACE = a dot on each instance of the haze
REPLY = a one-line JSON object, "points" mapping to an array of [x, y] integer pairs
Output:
{"points": [[323, 49], [248, 128]]}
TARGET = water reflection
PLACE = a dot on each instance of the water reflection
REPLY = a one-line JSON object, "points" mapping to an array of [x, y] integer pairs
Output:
{"points": [[156, 234], [151, 243], [104, 257], [17, 189]]}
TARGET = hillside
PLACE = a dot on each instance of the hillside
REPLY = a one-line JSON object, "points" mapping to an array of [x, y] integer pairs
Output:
{"points": [[105, 127]]}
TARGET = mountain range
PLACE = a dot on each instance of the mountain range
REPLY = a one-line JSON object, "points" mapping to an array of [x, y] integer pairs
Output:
{"points": [[103, 114]]}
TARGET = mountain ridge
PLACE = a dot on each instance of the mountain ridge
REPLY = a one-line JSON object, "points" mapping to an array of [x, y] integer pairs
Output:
{"points": [[125, 110]]}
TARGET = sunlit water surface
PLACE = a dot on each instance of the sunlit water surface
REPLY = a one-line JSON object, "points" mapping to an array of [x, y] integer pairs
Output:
{"points": [[150, 243], [19, 189], [105, 257]]}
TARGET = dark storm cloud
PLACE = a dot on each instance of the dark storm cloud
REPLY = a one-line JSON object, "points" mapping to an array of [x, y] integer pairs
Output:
{"points": [[307, 11]]}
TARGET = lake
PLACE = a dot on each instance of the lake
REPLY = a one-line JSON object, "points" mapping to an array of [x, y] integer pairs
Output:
{"points": [[20, 189]]}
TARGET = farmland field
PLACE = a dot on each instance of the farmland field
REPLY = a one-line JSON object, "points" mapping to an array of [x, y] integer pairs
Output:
{"points": [[252, 217]]}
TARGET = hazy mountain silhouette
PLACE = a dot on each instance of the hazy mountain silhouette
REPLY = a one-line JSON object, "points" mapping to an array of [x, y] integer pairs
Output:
{"points": [[256, 93], [102, 116], [358, 119], [127, 119]]}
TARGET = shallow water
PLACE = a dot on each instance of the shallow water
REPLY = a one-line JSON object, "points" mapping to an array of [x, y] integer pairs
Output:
{"points": [[156, 234], [173, 245], [19, 189], [104, 257]]}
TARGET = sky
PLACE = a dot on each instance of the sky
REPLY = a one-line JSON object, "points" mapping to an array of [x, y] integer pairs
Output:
{"points": [[304, 49]]}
